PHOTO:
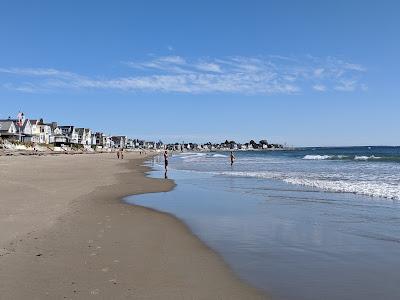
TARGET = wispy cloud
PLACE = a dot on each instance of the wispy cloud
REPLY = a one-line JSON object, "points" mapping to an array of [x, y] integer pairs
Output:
{"points": [[346, 85], [319, 87], [263, 75]]}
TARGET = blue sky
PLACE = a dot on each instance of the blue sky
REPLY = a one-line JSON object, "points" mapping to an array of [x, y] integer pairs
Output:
{"points": [[300, 72]]}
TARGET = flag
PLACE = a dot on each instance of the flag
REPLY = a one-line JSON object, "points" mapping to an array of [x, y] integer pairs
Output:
{"points": [[21, 119]]}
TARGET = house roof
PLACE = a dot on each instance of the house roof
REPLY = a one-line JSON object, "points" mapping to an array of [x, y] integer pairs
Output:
{"points": [[53, 125], [15, 121], [80, 130]]}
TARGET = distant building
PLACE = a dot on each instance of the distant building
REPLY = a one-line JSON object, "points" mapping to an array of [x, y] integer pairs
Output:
{"points": [[119, 141], [41, 132], [8, 130], [149, 145], [24, 132], [130, 144], [84, 136], [68, 135]]}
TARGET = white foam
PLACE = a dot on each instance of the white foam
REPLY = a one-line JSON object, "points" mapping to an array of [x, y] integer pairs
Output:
{"points": [[265, 175], [219, 155], [191, 157], [361, 157], [366, 157], [317, 157], [368, 188]]}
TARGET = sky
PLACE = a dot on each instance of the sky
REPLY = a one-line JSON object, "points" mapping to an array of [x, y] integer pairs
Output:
{"points": [[304, 73]]}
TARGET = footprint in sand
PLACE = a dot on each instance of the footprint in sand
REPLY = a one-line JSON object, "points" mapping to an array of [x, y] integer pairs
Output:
{"points": [[95, 292], [3, 251]]}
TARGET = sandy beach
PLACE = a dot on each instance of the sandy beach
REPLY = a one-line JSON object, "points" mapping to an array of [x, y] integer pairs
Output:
{"points": [[66, 234]]}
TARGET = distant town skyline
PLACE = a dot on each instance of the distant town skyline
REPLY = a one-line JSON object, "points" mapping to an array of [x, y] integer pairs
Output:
{"points": [[305, 73]]}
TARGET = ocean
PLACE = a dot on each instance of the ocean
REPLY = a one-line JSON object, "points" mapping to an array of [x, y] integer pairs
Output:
{"points": [[311, 223]]}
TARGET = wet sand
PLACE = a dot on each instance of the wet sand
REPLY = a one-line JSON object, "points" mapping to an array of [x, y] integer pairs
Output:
{"points": [[66, 234]]}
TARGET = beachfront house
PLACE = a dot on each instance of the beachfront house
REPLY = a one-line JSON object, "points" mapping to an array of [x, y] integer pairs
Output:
{"points": [[119, 141], [130, 144], [149, 145], [53, 130], [84, 136], [8, 130], [101, 140], [24, 131], [71, 136], [41, 132], [93, 139], [160, 145], [138, 143], [59, 138], [108, 142]]}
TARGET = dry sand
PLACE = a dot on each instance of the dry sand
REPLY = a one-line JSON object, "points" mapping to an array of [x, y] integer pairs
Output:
{"points": [[65, 234]]}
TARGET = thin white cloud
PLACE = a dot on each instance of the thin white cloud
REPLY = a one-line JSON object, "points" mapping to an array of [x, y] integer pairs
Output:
{"points": [[175, 74], [346, 85], [37, 72], [209, 67], [319, 87], [319, 72]]}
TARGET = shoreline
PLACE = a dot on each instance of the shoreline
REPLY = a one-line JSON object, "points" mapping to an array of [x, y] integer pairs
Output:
{"points": [[100, 246]]}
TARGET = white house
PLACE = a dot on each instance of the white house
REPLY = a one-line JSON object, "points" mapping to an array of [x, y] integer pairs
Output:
{"points": [[24, 131], [8, 130], [119, 141], [84, 136], [41, 132], [70, 133], [130, 144]]}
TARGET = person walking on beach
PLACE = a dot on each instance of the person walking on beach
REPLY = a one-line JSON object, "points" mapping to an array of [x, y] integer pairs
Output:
{"points": [[122, 153], [166, 160], [232, 158], [118, 153]]}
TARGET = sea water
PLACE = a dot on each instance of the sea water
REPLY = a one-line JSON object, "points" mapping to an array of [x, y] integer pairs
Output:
{"points": [[314, 223]]}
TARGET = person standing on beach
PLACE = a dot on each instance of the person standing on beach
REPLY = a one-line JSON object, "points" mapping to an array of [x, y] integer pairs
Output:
{"points": [[118, 153], [166, 160], [232, 158], [122, 153]]}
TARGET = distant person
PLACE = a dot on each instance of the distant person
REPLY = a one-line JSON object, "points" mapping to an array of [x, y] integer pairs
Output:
{"points": [[232, 158], [118, 153], [166, 160], [122, 153]]}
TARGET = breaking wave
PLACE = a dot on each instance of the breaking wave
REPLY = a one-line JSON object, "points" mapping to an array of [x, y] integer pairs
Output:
{"points": [[219, 155], [356, 158], [367, 188]]}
